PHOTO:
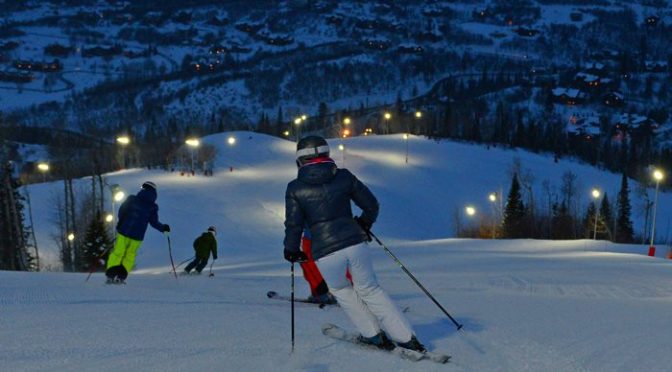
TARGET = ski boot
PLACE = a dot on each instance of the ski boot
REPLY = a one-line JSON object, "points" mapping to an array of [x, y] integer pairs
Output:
{"points": [[413, 344], [380, 341]]}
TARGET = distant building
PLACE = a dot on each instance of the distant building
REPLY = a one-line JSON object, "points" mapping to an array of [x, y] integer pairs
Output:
{"points": [[568, 96]]}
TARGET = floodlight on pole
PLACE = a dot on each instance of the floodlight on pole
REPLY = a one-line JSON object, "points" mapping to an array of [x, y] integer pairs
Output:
{"points": [[43, 168], [124, 141], [117, 196], [493, 199], [657, 176], [470, 210], [193, 143], [341, 147], [596, 194], [297, 122]]}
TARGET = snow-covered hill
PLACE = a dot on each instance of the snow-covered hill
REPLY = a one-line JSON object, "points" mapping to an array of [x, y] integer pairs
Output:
{"points": [[526, 305]]}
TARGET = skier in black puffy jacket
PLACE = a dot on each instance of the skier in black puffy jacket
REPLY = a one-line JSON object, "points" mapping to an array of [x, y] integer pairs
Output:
{"points": [[320, 198]]}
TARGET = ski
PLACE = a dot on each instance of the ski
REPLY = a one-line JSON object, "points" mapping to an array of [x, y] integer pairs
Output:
{"points": [[276, 296], [339, 333]]}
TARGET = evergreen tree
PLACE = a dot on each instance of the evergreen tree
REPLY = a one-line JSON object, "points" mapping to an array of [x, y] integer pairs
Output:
{"points": [[624, 232], [97, 243], [13, 245], [607, 219], [514, 212]]}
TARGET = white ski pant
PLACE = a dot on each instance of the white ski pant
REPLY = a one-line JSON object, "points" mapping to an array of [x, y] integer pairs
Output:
{"points": [[365, 302]]}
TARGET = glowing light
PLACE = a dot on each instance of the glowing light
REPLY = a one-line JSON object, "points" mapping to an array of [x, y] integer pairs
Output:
{"points": [[346, 121], [123, 140], [193, 142], [231, 140], [470, 210], [596, 193], [109, 218], [658, 175], [71, 237], [492, 197], [387, 116], [43, 167], [418, 114]]}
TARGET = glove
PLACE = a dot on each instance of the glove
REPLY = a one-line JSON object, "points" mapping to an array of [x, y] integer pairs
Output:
{"points": [[365, 224], [295, 256], [214, 257], [166, 228]]}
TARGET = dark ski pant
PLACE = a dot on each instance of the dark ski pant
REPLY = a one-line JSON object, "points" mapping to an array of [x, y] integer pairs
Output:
{"points": [[198, 262]]}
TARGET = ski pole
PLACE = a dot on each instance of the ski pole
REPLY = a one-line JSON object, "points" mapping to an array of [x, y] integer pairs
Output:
{"points": [[458, 325], [170, 253], [292, 307], [94, 267], [188, 259], [211, 274]]}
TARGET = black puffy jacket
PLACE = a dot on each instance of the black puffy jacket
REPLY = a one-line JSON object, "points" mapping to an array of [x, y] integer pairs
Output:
{"points": [[319, 198]]}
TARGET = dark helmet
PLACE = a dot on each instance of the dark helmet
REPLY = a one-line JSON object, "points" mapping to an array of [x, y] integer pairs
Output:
{"points": [[311, 147]]}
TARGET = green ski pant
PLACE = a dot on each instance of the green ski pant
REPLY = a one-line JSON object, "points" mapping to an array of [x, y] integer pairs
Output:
{"points": [[124, 252]]}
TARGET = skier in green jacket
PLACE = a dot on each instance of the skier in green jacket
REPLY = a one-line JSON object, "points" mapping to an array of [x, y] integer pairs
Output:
{"points": [[203, 245]]}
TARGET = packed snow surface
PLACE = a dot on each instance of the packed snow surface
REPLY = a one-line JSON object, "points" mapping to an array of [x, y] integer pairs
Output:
{"points": [[526, 305]]}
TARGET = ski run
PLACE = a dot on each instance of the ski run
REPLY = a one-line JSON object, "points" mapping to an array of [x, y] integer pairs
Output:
{"points": [[526, 305]]}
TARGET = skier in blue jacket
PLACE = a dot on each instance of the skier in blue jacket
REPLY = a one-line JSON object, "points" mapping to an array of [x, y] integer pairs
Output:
{"points": [[135, 213]]}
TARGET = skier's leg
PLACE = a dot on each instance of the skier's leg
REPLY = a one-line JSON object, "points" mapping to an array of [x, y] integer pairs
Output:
{"points": [[128, 261], [333, 269], [115, 256], [201, 264], [191, 265], [376, 299]]}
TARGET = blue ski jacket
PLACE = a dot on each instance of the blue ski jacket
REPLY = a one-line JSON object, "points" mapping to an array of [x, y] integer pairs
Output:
{"points": [[136, 212]]}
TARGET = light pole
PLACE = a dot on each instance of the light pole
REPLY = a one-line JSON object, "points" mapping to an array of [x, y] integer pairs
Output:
{"points": [[493, 199], [387, 117], [658, 176], [596, 194], [193, 143], [43, 168], [297, 122], [341, 147], [117, 196], [406, 140], [123, 141]]}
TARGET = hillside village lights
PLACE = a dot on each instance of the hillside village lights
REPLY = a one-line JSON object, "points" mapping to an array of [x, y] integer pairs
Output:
{"points": [[658, 176], [596, 195], [193, 143]]}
